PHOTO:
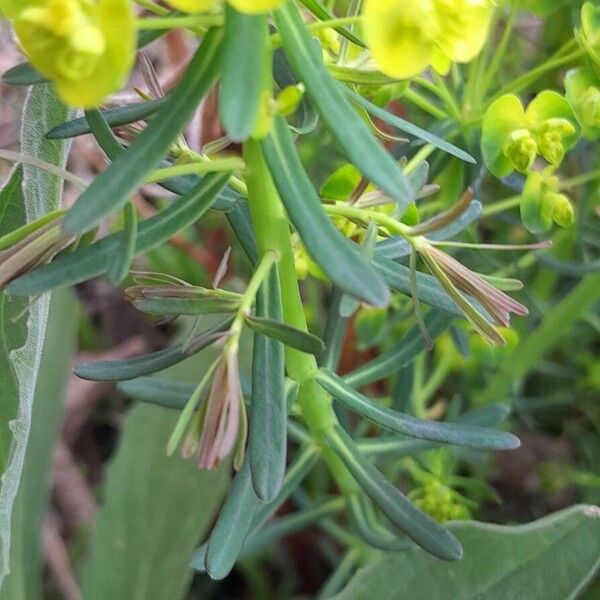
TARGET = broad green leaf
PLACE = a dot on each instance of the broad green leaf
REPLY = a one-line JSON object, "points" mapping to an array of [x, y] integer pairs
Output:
{"points": [[554, 557], [155, 390], [94, 260], [42, 194], [400, 354], [421, 528], [290, 336], [121, 115], [227, 536], [349, 130], [338, 257], [31, 503], [155, 510], [437, 431], [408, 127], [129, 368], [267, 436], [114, 186], [13, 331], [243, 58]]}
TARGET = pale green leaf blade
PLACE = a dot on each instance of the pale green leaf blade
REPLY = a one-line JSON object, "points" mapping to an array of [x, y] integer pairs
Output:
{"points": [[554, 558]]}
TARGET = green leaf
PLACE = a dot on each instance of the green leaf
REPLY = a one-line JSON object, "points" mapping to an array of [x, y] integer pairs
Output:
{"points": [[267, 439], [338, 257], [227, 536], [129, 368], [408, 127], [121, 259], [421, 528], [31, 503], [122, 115], [349, 130], [155, 390], [243, 54], [185, 306], [114, 186], [401, 354], [290, 336], [554, 557], [438, 431], [94, 260], [323, 14], [42, 194], [155, 510], [23, 74], [13, 331]]}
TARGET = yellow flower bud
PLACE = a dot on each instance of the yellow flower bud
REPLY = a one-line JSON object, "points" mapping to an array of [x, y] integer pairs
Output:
{"points": [[550, 139]]}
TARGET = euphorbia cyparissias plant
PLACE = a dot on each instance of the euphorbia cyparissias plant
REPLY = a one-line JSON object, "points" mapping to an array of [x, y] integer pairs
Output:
{"points": [[278, 83]]}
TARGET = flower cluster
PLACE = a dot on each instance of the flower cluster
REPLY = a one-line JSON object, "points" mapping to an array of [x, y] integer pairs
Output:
{"points": [[406, 37], [86, 47]]}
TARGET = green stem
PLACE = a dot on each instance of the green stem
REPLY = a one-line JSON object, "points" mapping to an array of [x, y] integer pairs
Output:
{"points": [[191, 21], [502, 205], [579, 179], [272, 229], [197, 168], [424, 104]]}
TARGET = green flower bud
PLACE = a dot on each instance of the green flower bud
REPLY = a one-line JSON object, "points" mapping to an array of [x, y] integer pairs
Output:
{"points": [[521, 149], [589, 107], [562, 209], [289, 99], [550, 139]]}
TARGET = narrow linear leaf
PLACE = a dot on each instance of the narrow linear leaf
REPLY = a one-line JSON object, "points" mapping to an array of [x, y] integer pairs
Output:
{"points": [[421, 528], [321, 12], [154, 390], [118, 370], [337, 256], [113, 187], [243, 54], [408, 127], [94, 260], [122, 115], [121, 259], [23, 74], [346, 126], [402, 353], [437, 431], [267, 440], [229, 533], [554, 557], [290, 336], [185, 306]]}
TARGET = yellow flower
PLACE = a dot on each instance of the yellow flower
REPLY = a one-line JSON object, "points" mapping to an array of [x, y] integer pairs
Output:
{"points": [[406, 37], [193, 6], [254, 7], [85, 47], [251, 7], [401, 35], [464, 27]]}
